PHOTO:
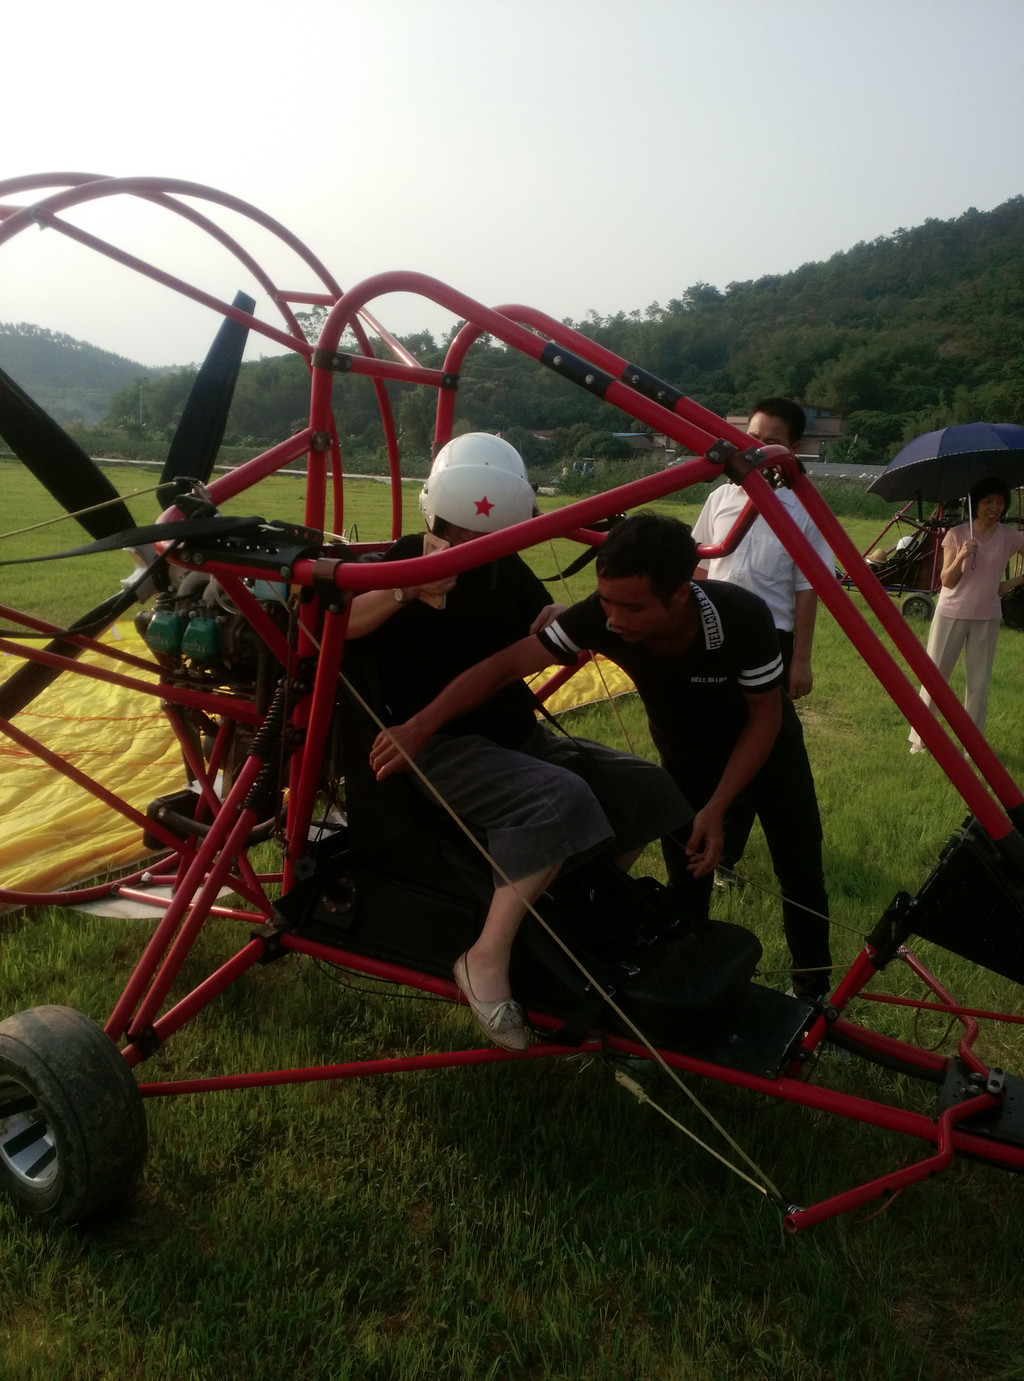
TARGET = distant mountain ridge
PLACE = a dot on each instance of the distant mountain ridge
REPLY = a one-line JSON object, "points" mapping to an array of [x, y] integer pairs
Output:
{"points": [[70, 379]]}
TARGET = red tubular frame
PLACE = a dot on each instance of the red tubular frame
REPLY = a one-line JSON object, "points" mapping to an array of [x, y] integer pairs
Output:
{"points": [[201, 867]]}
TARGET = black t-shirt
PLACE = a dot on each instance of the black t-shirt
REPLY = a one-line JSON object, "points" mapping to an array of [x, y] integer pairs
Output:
{"points": [[420, 649], [695, 700]]}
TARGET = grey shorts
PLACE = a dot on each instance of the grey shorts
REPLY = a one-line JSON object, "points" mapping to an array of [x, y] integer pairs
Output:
{"points": [[533, 807]]}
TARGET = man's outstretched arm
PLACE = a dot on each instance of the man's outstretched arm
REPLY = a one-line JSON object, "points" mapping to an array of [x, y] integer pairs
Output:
{"points": [[468, 690]]}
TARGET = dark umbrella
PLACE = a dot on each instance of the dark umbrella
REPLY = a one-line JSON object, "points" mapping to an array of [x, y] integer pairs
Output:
{"points": [[945, 464]]}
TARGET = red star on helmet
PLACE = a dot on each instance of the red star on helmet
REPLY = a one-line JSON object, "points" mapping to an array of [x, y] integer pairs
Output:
{"points": [[483, 506]]}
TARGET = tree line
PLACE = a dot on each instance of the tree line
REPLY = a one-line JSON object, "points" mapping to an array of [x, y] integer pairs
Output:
{"points": [[907, 333]]}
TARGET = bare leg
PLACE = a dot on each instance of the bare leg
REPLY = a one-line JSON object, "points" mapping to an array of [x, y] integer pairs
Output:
{"points": [[488, 959]]}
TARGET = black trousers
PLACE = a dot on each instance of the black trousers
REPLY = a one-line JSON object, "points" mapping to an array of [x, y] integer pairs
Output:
{"points": [[742, 813], [782, 796]]}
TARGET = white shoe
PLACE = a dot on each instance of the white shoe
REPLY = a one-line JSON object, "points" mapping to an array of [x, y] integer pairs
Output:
{"points": [[502, 1021]]}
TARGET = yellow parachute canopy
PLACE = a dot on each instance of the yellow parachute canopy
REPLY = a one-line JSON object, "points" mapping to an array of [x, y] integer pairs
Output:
{"points": [[56, 833]]}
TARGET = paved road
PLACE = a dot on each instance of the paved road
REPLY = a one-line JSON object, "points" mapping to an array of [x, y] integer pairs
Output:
{"points": [[821, 470]]}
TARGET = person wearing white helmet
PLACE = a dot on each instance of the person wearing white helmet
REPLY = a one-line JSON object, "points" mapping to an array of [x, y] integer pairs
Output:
{"points": [[502, 772], [477, 484]]}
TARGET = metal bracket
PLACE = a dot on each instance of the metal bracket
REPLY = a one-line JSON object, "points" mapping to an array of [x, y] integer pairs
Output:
{"points": [[1005, 1121], [720, 452], [146, 1041], [274, 547], [332, 600], [651, 386], [270, 936], [576, 369], [335, 360]]}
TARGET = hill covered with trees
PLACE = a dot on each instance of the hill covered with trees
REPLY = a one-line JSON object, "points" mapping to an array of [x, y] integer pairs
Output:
{"points": [[910, 332], [70, 379]]}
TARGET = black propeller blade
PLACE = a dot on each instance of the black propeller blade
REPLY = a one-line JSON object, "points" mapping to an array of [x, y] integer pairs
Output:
{"points": [[75, 480], [58, 463], [198, 435], [23, 685]]}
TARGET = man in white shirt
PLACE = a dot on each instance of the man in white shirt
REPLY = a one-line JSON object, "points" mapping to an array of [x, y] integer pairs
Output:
{"points": [[762, 565]]}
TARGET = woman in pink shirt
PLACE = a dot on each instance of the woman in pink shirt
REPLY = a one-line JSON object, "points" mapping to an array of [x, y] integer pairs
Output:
{"points": [[968, 610]]}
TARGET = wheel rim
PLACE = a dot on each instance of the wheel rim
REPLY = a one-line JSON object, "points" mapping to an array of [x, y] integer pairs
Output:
{"points": [[27, 1145]]}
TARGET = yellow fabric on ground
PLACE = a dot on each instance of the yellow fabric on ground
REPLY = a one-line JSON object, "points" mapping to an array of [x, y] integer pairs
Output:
{"points": [[55, 833], [598, 680]]}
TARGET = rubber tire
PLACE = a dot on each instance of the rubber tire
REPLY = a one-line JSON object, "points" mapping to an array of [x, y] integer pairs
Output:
{"points": [[917, 606], [66, 1090]]}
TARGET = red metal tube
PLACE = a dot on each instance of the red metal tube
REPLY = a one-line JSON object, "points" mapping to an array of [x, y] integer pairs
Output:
{"points": [[184, 893], [230, 913], [169, 280], [71, 897], [245, 476], [971, 1028], [209, 701], [942, 1008], [400, 1064], [198, 911], [895, 1180], [744, 522], [199, 998], [560, 678], [110, 650], [928, 1060], [258, 619], [310, 759], [354, 575]]}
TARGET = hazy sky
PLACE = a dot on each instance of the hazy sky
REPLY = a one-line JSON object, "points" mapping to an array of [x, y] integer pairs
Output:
{"points": [[566, 154]]}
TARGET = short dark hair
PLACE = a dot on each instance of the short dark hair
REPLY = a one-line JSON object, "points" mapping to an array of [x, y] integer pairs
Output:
{"points": [[786, 411], [990, 485], [650, 544]]}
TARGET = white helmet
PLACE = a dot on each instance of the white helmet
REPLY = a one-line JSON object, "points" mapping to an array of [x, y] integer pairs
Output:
{"points": [[477, 482]]}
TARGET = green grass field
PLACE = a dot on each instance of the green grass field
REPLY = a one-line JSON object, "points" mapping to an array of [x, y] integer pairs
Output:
{"points": [[529, 1222]]}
